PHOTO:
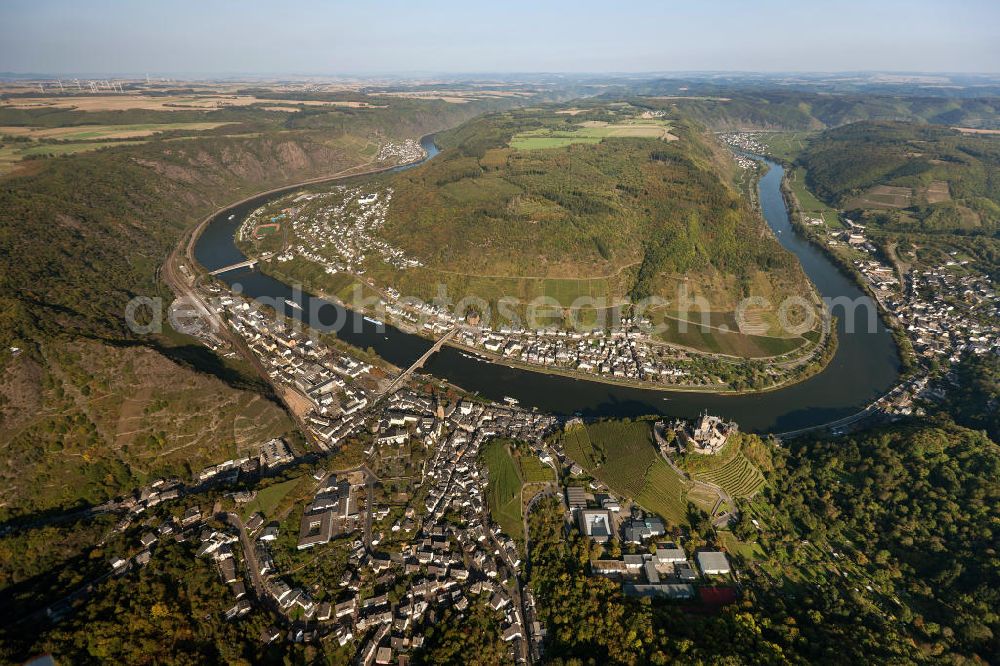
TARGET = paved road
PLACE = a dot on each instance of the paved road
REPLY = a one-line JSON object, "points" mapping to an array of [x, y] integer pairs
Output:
{"points": [[249, 556]]}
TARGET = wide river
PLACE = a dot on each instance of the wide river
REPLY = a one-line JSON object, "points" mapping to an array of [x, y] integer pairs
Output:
{"points": [[865, 365]]}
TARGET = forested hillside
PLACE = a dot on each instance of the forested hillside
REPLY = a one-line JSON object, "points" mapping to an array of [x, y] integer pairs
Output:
{"points": [[873, 548], [918, 507], [803, 110], [632, 204], [927, 177], [82, 234]]}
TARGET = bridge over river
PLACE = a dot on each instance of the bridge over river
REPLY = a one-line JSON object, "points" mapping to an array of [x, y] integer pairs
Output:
{"points": [[249, 263]]}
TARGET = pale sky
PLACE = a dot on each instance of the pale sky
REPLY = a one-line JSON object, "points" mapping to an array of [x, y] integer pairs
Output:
{"points": [[216, 37]]}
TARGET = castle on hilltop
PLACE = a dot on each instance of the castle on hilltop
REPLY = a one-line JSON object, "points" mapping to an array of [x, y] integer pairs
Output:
{"points": [[706, 435]]}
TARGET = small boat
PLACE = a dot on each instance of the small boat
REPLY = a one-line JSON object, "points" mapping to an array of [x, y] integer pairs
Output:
{"points": [[232, 216], [511, 401], [293, 304]]}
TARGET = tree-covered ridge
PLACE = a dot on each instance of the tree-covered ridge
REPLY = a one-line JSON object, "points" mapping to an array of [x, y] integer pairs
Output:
{"points": [[731, 108], [170, 612], [974, 397], [846, 162], [645, 209], [918, 508]]}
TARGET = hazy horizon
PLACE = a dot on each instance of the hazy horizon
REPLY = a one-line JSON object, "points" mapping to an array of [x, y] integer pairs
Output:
{"points": [[394, 38]]}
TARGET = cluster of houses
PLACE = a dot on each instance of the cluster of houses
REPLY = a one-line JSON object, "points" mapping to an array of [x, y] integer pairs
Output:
{"points": [[622, 352], [947, 310], [338, 230], [744, 142], [270, 455], [328, 380], [948, 313], [443, 543], [400, 153], [663, 569]]}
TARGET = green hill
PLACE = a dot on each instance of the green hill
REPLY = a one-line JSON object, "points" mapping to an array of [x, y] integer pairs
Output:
{"points": [[908, 175], [604, 203], [731, 108]]}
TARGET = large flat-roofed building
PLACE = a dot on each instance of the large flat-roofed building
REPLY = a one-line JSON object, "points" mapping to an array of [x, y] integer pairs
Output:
{"points": [[669, 553], [596, 523], [316, 528], [576, 498], [713, 563]]}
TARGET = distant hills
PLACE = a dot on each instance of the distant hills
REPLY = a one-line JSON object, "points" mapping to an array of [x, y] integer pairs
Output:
{"points": [[907, 174]]}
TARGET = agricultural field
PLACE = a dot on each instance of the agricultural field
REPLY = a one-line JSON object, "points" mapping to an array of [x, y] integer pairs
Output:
{"points": [[13, 155], [104, 132], [664, 492], [622, 455], [882, 196], [592, 131], [907, 176], [738, 477], [534, 470], [937, 192], [811, 206], [729, 342], [97, 103], [504, 487], [784, 145]]}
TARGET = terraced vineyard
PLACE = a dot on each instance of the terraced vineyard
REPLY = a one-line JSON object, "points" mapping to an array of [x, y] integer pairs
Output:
{"points": [[622, 455], [737, 476], [664, 492], [626, 453], [580, 449]]}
